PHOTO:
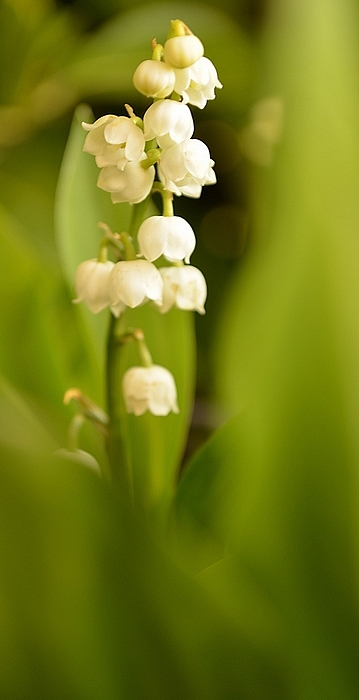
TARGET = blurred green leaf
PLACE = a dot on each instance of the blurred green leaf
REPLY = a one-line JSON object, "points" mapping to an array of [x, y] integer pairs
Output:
{"points": [[92, 608], [156, 443], [289, 358], [20, 429], [201, 497], [79, 207]]}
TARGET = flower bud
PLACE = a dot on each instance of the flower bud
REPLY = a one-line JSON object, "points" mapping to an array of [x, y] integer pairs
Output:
{"points": [[92, 284], [134, 282], [149, 389], [154, 78], [183, 287], [183, 51], [170, 236]]}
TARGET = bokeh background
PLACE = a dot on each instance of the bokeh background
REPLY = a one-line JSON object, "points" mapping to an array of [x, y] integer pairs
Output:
{"points": [[251, 590]]}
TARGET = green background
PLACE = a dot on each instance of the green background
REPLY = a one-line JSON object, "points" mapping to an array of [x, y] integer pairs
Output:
{"points": [[251, 590]]}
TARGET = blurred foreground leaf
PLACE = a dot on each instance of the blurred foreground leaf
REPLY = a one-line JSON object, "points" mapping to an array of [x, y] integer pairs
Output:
{"points": [[91, 608]]}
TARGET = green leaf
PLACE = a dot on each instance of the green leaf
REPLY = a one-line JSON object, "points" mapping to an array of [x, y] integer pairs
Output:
{"points": [[20, 429], [201, 498], [289, 358], [92, 608], [156, 444], [79, 207], [44, 351]]}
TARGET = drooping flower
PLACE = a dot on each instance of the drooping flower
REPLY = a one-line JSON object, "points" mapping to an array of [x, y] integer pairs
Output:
{"points": [[114, 141], [134, 282], [170, 236], [154, 78], [185, 168], [197, 83], [92, 284], [169, 122], [183, 287], [149, 389], [132, 184]]}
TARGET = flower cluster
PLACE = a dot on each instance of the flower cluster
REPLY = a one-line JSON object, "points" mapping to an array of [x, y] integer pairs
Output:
{"points": [[138, 157]]}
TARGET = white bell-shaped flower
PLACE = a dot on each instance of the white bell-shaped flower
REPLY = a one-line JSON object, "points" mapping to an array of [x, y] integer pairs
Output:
{"points": [[183, 51], [134, 282], [149, 389], [154, 78], [114, 141], [92, 284], [132, 184], [197, 83], [183, 287], [169, 122], [170, 236], [185, 168]]}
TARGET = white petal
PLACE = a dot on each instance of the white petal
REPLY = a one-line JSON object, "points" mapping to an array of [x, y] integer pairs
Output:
{"points": [[152, 238], [135, 281], [92, 284], [184, 287], [183, 78], [197, 158], [169, 122], [154, 78], [181, 240], [132, 184], [149, 388], [182, 51]]}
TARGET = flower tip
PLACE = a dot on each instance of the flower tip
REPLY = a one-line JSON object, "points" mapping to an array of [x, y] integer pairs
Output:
{"points": [[72, 394]]}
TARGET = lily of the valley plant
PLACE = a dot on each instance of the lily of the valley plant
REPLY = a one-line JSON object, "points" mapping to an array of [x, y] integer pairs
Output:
{"points": [[138, 157]]}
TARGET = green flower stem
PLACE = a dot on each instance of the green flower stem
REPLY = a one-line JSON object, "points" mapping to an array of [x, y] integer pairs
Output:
{"points": [[128, 246], [109, 239], [73, 432], [157, 52], [143, 350], [117, 443], [167, 200], [118, 453]]}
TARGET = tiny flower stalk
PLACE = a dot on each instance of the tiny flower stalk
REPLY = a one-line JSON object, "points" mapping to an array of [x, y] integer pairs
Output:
{"points": [[87, 411]]}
